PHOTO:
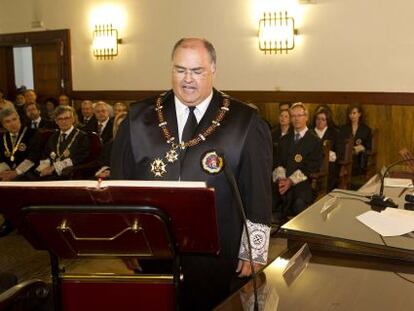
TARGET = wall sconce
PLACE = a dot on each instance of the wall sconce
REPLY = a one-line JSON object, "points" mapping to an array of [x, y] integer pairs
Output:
{"points": [[277, 33], [105, 42]]}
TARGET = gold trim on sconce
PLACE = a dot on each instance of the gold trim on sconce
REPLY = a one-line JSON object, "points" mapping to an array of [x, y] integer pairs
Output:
{"points": [[277, 33], [105, 41]]}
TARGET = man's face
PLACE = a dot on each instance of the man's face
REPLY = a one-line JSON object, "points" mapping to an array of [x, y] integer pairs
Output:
{"points": [[12, 123], [32, 112], [87, 110], [299, 118], [30, 97], [192, 74], [20, 100], [101, 113], [63, 100], [65, 121]]}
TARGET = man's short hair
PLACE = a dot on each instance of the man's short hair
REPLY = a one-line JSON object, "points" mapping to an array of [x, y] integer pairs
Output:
{"points": [[31, 103], [62, 109], [5, 112], [207, 44], [299, 105]]}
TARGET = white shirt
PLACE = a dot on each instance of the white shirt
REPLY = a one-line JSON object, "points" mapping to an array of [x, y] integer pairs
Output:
{"points": [[67, 132], [320, 133], [302, 132], [182, 112]]}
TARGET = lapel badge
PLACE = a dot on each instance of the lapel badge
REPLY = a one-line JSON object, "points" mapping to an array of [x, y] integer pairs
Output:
{"points": [[7, 154], [22, 147], [358, 141], [53, 155], [171, 156], [298, 158], [325, 142], [211, 162], [158, 167]]}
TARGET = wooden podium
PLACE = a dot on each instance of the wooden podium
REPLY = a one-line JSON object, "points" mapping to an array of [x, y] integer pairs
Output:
{"points": [[81, 221]]}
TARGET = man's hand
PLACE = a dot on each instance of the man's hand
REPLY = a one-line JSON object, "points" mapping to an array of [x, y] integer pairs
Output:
{"points": [[244, 268], [8, 175], [47, 171], [284, 185]]}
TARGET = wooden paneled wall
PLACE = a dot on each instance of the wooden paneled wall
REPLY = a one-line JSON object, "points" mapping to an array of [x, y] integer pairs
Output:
{"points": [[391, 113], [395, 124]]}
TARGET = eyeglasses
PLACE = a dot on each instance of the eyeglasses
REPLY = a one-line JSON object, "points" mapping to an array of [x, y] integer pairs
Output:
{"points": [[63, 118]]}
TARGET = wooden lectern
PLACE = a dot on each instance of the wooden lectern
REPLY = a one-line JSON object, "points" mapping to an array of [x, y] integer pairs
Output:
{"points": [[79, 221]]}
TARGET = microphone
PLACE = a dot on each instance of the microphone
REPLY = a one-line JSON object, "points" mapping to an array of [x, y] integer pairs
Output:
{"points": [[379, 200], [236, 193]]}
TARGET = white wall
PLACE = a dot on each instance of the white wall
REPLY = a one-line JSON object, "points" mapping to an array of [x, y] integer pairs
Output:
{"points": [[344, 45]]}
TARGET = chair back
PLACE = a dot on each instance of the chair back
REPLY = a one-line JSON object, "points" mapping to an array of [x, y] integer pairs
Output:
{"points": [[320, 179], [345, 164]]}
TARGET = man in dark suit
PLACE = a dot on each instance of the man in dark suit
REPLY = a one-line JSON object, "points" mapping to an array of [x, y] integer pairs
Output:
{"points": [[105, 124], [67, 147], [205, 123], [19, 152], [87, 119], [300, 154], [35, 120]]}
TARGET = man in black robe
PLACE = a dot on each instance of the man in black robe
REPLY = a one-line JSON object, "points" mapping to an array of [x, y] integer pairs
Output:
{"points": [[213, 130], [300, 154]]}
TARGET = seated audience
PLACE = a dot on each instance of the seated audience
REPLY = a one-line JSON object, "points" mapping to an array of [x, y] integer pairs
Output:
{"points": [[325, 129], [4, 103], [120, 107], [299, 155], [67, 147], [361, 133], [104, 123], [30, 96], [49, 108], [64, 100], [280, 130], [105, 156], [19, 105], [35, 120], [87, 119], [19, 147]]}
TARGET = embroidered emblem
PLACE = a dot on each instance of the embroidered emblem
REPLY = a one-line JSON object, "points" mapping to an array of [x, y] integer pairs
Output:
{"points": [[258, 239], [211, 162], [171, 156], [52, 155], [358, 141], [158, 168], [298, 158], [22, 147], [325, 142]]}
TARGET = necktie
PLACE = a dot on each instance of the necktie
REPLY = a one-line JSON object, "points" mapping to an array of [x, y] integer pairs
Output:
{"points": [[13, 139], [62, 137], [100, 126], [297, 137], [190, 126]]}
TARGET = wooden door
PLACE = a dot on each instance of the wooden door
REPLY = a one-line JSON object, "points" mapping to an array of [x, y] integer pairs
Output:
{"points": [[7, 72], [47, 66]]}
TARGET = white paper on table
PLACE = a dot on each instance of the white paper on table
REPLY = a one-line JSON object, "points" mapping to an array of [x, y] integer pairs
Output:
{"points": [[391, 222], [398, 182]]}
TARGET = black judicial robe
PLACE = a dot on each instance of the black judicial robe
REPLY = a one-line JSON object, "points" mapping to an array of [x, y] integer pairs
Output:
{"points": [[242, 137], [306, 155], [79, 150], [29, 148]]}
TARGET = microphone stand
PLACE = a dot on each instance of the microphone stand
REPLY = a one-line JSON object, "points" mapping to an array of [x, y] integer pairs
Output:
{"points": [[379, 200], [232, 181]]}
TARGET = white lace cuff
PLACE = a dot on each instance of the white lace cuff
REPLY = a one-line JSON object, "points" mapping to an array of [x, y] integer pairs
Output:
{"points": [[24, 166], [4, 167], [332, 156], [259, 238], [278, 172], [60, 165], [297, 177]]}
